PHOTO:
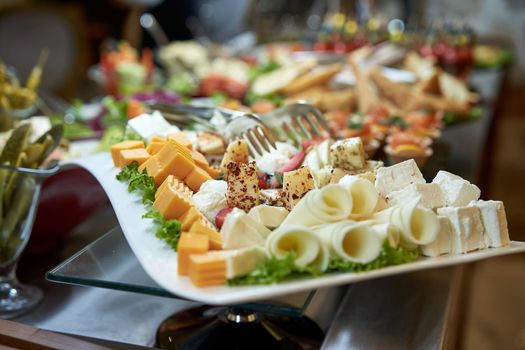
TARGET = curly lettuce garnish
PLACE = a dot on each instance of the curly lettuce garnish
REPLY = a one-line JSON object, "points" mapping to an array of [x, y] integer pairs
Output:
{"points": [[276, 270], [167, 230]]}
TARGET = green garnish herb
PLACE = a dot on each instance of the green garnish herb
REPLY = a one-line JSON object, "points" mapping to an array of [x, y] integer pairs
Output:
{"points": [[388, 257], [257, 71], [168, 230], [274, 270], [137, 181], [251, 98], [397, 121]]}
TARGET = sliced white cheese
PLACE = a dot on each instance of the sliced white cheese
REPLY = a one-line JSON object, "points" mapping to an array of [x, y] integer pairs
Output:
{"points": [[269, 216], [430, 195], [148, 125], [397, 177], [458, 191], [443, 241], [240, 231], [494, 222], [323, 152], [240, 262], [467, 228], [348, 154]]}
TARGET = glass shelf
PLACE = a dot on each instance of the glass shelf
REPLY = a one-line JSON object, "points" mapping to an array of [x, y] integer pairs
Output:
{"points": [[110, 263]]}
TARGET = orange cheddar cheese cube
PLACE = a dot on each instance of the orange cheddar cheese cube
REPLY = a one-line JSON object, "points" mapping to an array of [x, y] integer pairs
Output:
{"points": [[190, 243], [199, 159], [203, 227], [157, 138], [207, 269], [155, 146], [187, 220], [175, 161], [196, 178], [128, 156], [181, 138], [177, 185], [165, 184], [171, 204], [116, 148], [154, 169], [213, 172]]}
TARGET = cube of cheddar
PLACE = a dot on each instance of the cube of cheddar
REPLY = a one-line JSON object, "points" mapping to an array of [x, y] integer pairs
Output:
{"points": [[171, 204], [190, 243], [154, 169], [128, 156], [181, 138], [196, 178], [191, 216], [213, 172], [155, 146], [116, 148], [177, 185], [157, 138], [175, 160], [215, 237], [199, 159], [207, 269]]}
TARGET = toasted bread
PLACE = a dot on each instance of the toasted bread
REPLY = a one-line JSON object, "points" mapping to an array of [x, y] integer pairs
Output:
{"points": [[319, 76]]}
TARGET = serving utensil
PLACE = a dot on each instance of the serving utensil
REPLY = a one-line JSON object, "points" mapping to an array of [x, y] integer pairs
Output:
{"points": [[230, 124], [295, 122]]}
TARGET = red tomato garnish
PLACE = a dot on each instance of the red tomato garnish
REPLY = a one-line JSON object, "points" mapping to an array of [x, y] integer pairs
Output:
{"points": [[221, 216]]}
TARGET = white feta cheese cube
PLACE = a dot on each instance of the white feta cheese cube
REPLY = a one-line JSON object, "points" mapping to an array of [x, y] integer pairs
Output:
{"points": [[148, 125], [430, 195], [442, 243], [494, 222], [458, 191], [397, 177], [348, 154], [467, 228]]}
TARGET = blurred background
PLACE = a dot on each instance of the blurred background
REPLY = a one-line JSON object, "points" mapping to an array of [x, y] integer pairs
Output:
{"points": [[76, 33]]}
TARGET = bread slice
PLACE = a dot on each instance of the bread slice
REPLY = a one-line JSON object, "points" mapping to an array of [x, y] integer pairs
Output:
{"points": [[319, 76]]}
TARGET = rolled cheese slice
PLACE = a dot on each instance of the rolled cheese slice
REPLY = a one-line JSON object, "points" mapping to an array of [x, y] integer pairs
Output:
{"points": [[325, 205], [350, 240], [269, 216], [387, 232], [309, 250], [364, 196], [418, 226]]}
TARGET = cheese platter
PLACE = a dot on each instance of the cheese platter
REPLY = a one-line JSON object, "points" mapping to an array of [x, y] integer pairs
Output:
{"points": [[160, 261]]}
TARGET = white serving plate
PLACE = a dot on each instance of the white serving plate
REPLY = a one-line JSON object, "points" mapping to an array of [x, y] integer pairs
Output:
{"points": [[160, 261]]}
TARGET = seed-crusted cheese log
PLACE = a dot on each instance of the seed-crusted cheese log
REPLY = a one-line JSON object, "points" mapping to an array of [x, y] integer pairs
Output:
{"points": [[243, 185], [348, 154], [296, 184], [237, 152]]}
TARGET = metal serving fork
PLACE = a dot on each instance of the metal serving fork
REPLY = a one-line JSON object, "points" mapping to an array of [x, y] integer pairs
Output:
{"points": [[230, 124], [296, 122]]}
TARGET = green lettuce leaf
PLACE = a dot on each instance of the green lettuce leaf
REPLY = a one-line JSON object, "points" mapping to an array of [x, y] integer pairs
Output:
{"points": [[168, 230], [138, 181], [274, 270], [388, 257]]}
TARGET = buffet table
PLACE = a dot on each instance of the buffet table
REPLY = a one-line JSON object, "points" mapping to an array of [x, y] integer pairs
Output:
{"points": [[416, 310]]}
